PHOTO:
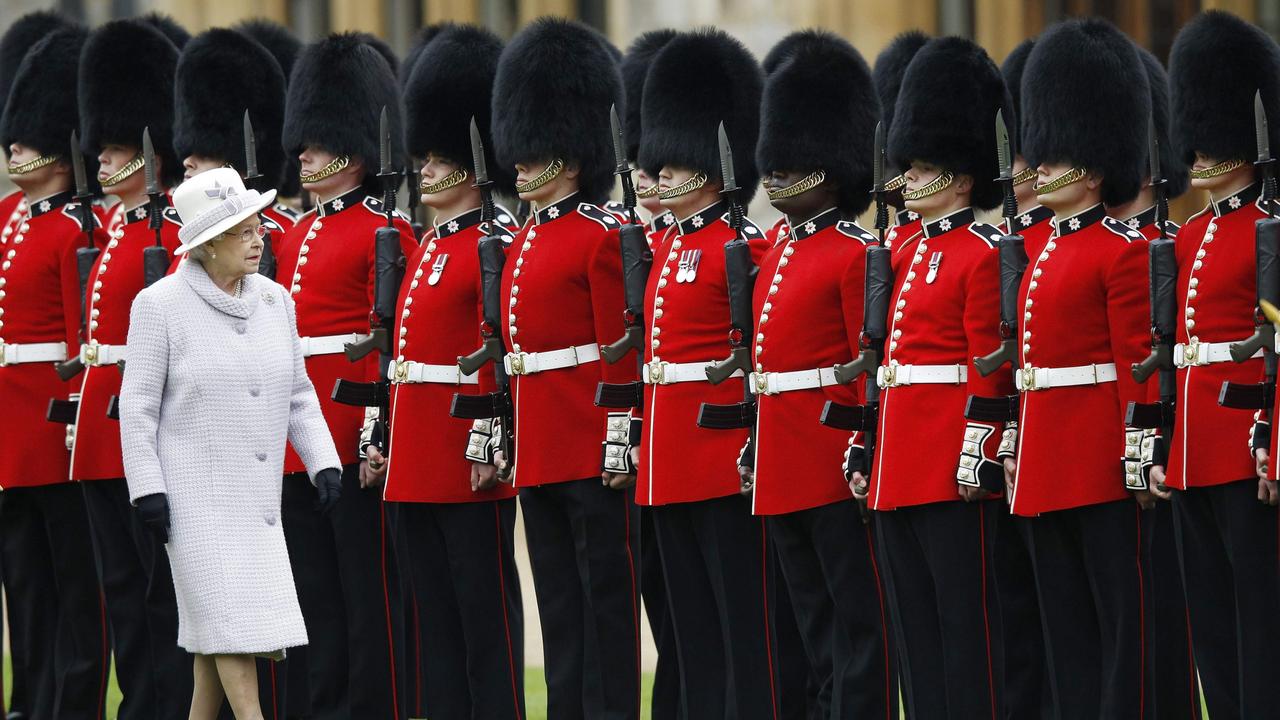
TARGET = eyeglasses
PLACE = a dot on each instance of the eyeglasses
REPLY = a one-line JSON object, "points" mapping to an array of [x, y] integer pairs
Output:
{"points": [[248, 234]]}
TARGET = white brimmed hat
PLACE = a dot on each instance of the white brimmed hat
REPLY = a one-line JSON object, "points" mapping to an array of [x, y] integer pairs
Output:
{"points": [[212, 203]]}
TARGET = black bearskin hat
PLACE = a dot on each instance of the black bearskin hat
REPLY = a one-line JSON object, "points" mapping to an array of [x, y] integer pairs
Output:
{"points": [[551, 99], [785, 48], [221, 73], [41, 113], [1085, 101], [946, 114], [21, 36], [278, 41], [169, 27], [1217, 63], [1172, 168], [126, 85], [700, 79], [635, 66], [1012, 69], [383, 49], [891, 65], [420, 42], [339, 86], [451, 82], [820, 112]]}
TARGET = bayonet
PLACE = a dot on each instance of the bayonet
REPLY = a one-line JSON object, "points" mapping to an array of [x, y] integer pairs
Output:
{"points": [[384, 145], [1265, 163], [619, 147], [1004, 156], [477, 156], [250, 153], [86, 257], [149, 164], [726, 163], [637, 259], [877, 182]]}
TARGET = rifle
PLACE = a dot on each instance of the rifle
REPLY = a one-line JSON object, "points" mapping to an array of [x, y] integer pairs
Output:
{"points": [[1260, 396], [388, 274], [1013, 263], [637, 259], [1163, 270], [155, 259], [876, 289], [85, 259], [496, 404], [413, 184], [740, 272], [252, 180]]}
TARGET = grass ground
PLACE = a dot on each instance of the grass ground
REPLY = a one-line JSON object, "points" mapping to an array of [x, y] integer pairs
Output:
{"points": [[535, 690]]}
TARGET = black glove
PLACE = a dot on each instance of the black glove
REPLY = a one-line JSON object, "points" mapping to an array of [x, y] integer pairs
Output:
{"points": [[329, 488], [153, 512]]}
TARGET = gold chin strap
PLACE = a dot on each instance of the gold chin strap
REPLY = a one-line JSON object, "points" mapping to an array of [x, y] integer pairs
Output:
{"points": [[31, 165], [804, 185], [334, 167], [937, 185], [129, 168], [651, 191], [1026, 176], [684, 188], [1075, 174], [453, 179], [896, 183], [1221, 168], [547, 175]]}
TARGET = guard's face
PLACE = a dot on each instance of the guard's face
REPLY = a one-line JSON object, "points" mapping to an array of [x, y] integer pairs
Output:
{"points": [[19, 154], [691, 202], [313, 159], [114, 157], [565, 183], [436, 168], [1227, 182], [1068, 197], [803, 206], [643, 182], [193, 165], [918, 176]]}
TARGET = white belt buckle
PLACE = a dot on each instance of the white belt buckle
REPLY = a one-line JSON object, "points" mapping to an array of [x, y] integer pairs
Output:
{"points": [[89, 354], [657, 372], [760, 383], [887, 375], [2, 361], [399, 371], [1191, 353], [516, 363], [1029, 379]]}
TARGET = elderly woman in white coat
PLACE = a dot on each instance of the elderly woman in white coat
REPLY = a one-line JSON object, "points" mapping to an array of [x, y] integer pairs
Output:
{"points": [[214, 386]]}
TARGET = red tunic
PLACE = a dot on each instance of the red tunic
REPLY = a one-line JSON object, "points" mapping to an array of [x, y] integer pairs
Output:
{"points": [[687, 321], [282, 215], [808, 311], [39, 303], [115, 279], [439, 320], [562, 284], [9, 211], [945, 312], [1035, 227], [327, 261], [1085, 302], [777, 230]]}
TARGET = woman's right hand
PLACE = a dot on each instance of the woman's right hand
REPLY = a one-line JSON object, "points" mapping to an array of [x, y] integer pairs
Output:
{"points": [[153, 512], [328, 488]]}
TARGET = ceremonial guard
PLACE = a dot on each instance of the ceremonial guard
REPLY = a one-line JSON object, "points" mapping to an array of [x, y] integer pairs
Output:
{"points": [[51, 586], [343, 561], [891, 65], [818, 124], [936, 515], [561, 297], [1026, 680], [718, 590], [458, 528], [1172, 676], [1223, 506], [1085, 322]]}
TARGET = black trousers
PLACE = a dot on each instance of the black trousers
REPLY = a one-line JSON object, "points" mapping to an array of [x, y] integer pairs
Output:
{"points": [[154, 674], [665, 699], [716, 559], [1026, 679], [344, 566], [798, 684], [827, 558], [1227, 540], [584, 550], [938, 562], [462, 561], [1172, 684], [52, 588], [1088, 563]]}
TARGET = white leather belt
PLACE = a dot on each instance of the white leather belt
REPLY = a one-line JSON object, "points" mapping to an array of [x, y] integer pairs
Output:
{"points": [[1031, 379], [416, 372], [535, 362], [20, 353], [895, 375], [328, 344], [95, 355], [669, 373], [1199, 353], [772, 383]]}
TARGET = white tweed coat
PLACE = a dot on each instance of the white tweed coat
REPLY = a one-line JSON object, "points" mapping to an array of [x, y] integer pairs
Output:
{"points": [[213, 387]]}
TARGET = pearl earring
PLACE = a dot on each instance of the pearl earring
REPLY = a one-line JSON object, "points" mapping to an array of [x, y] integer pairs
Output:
{"points": [[213, 256]]}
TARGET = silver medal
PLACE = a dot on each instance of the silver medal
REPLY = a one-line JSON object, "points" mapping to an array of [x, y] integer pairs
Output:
{"points": [[694, 260], [934, 261], [437, 268]]}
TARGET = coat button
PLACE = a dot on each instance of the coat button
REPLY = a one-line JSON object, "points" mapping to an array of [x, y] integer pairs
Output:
{"points": [[262, 457], [254, 392], [241, 328], [271, 520]]}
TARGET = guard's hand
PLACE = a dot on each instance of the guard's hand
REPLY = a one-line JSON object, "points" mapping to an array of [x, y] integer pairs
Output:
{"points": [[369, 476], [969, 493], [1010, 470], [859, 486], [1260, 458], [483, 477], [1146, 500], [153, 512], [329, 488], [746, 479], [622, 481], [1267, 492], [1156, 485]]}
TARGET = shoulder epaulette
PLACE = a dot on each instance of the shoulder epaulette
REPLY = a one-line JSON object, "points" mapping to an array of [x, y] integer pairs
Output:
{"points": [[599, 214], [1122, 229], [287, 211], [849, 228], [374, 206], [171, 214], [990, 234], [505, 216], [271, 225], [749, 228], [72, 210]]}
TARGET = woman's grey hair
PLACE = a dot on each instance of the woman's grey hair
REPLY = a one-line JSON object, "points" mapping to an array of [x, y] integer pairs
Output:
{"points": [[199, 253]]}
